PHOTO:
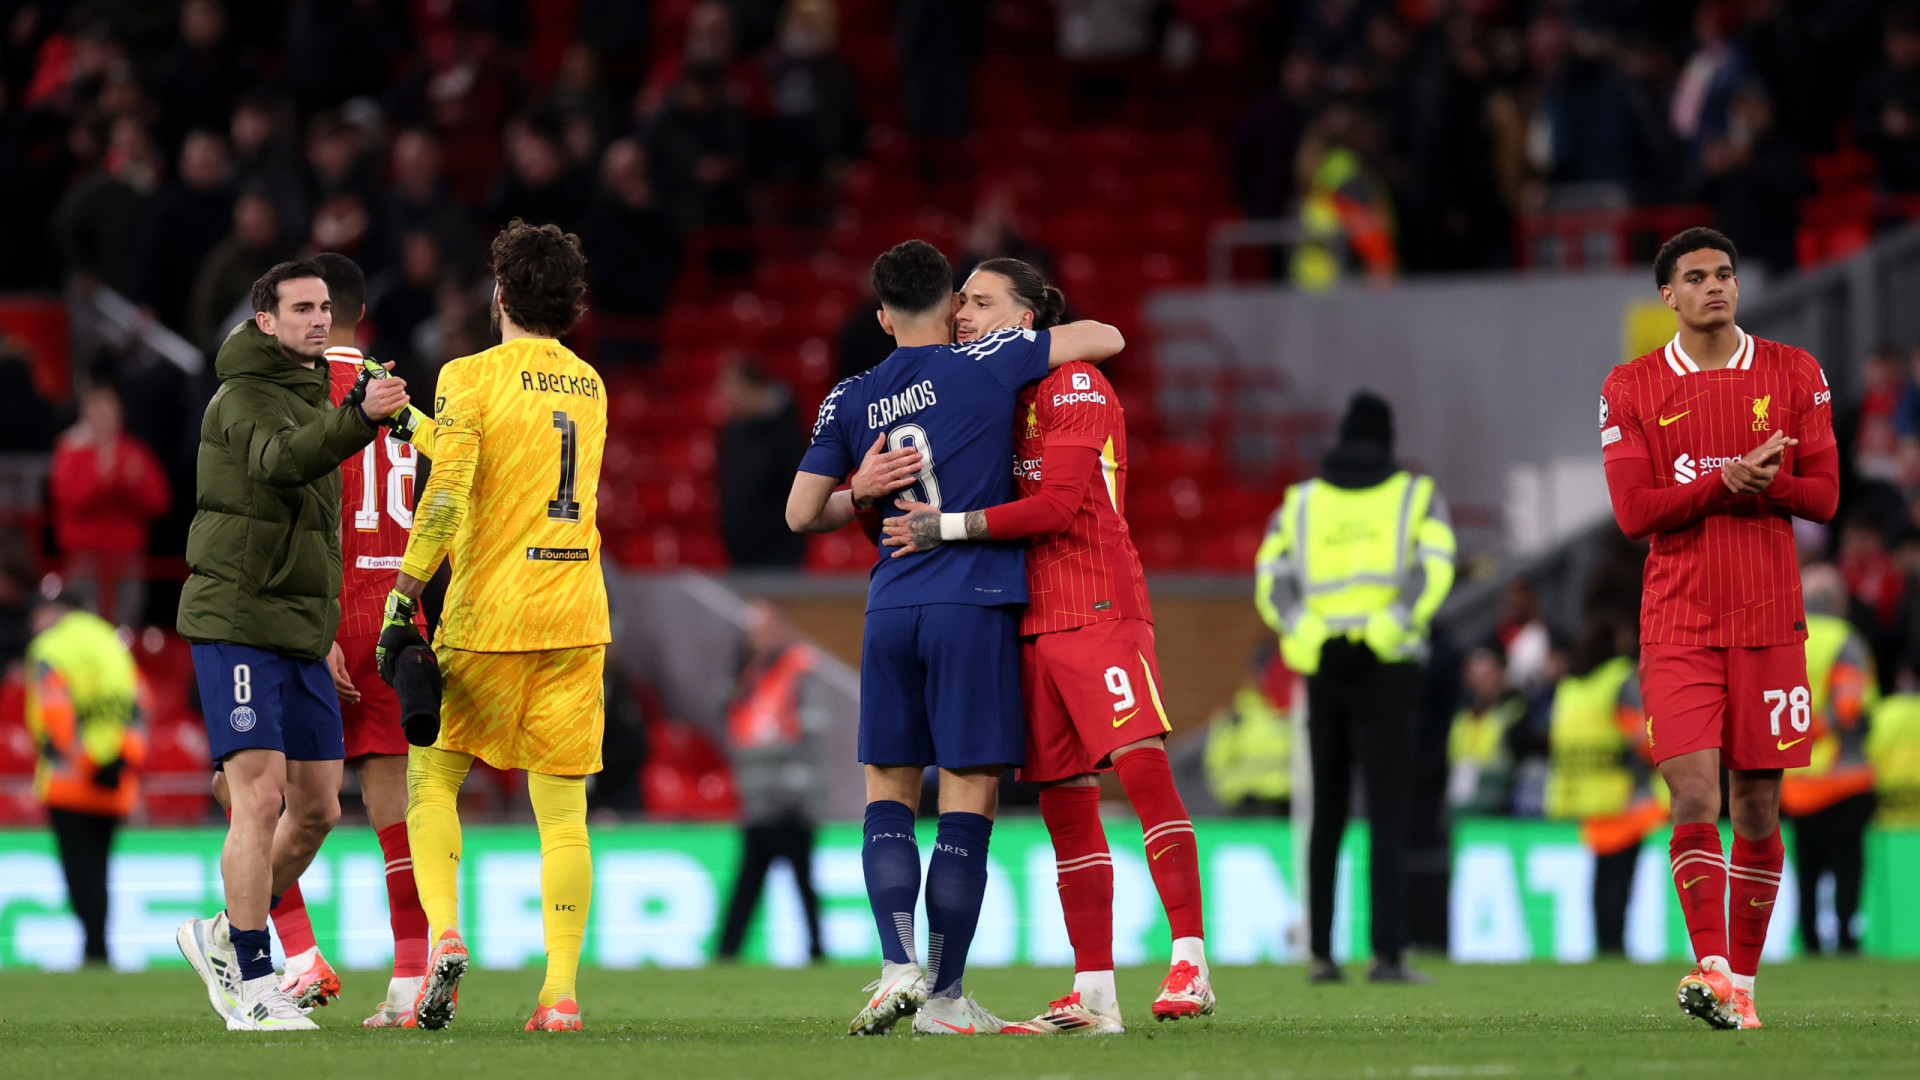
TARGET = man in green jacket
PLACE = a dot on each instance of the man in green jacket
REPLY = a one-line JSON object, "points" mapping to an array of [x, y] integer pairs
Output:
{"points": [[261, 608]]}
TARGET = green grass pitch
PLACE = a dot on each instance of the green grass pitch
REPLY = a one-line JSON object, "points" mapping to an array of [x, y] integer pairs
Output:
{"points": [[1825, 1018]]}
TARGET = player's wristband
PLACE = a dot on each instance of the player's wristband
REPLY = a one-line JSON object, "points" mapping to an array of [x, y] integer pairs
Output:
{"points": [[400, 608], [953, 527]]}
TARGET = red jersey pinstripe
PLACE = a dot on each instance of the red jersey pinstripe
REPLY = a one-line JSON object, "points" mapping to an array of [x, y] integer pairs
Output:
{"points": [[1090, 573], [1731, 578], [377, 514]]}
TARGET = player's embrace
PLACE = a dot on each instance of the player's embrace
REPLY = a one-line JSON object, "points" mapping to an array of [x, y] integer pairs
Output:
{"points": [[1713, 442], [519, 431]]}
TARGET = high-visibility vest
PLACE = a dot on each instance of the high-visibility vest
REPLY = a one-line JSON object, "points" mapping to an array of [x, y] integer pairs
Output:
{"points": [[1478, 764], [767, 712], [1843, 694], [1249, 751], [1343, 210], [1893, 747], [1370, 564], [84, 711], [1587, 773]]}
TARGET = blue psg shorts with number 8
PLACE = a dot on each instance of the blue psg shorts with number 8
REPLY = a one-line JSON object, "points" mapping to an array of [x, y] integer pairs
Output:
{"points": [[259, 700]]}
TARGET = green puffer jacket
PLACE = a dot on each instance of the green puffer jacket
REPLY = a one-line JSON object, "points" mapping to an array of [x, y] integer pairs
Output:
{"points": [[265, 543]]}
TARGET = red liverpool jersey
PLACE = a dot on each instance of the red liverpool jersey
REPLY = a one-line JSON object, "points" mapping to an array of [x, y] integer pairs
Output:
{"points": [[376, 486], [1091, 572], [1731, 578]]}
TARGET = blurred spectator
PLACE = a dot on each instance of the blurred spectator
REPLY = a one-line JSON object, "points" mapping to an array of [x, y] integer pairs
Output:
{"points": [[582, 104], [1461, 126], [1876, 442], [261, 129], [1831, 801], [97, 218], [816, 125], [710, 45], [540, 186], [616, 31], [1886, 104], [1266, 139], [459, 325], [1249, 754], [697, 146], [760, 446], [1875, 584], [1754, 179], [1101, 40], [338, 49], [1893, 752], [183, 222], [220, 293], [29, 423], [1479, 761], [198, 81], [419, 200], [1346, 212], [1522, 635], [994, 233], [1703, 97], [106, 488], [616, 788], [401, 298], [863, 343], [1585, 139], [633, 250], [937, 43], [340, 162], [1601, 772], [775, 724], [85, 713], [17, 597]]}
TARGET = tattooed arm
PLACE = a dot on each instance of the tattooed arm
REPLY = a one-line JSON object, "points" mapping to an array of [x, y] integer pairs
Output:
{"points": [[1068, 472]]}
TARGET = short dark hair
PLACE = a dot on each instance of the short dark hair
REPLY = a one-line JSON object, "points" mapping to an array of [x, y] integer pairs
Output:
{"points": [[913, 278], [542, 276], [1686, 242], [346, 285], [266, 291], [1048, 304]]}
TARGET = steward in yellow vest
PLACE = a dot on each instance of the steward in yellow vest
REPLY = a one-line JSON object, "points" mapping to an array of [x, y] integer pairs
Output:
{"points": [[1249, 755], [1893, 748], [1354, 565], [1830, 802], [1479, 760], [84, 712]]}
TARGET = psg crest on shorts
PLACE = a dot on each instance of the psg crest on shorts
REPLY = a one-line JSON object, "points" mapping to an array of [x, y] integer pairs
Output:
{"points": [[242, 718]]}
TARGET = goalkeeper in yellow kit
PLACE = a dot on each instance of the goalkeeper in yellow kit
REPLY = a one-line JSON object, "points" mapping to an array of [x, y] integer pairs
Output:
{"points": [[517, 438]]}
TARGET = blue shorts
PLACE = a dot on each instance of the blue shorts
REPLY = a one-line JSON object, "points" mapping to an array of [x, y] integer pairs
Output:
{"points": [[940, 685], [259, 700]]}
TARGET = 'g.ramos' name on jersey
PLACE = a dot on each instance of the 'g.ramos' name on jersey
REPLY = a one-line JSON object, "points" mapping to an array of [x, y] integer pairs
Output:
{"points": [[955, 403]]}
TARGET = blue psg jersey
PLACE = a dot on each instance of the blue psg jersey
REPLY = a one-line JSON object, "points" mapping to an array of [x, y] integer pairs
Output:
{"points": [[955, 404]]}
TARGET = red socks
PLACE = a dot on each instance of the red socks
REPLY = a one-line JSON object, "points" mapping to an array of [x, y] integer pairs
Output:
{"points": [[1753, 880], [1175, 864], [403, 905], [291, 923], [1700, 877], [1085, 869]]}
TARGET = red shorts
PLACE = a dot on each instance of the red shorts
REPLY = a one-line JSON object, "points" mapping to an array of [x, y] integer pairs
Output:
{"points": [[1089, 691], [372, 723], [1753, 704]]}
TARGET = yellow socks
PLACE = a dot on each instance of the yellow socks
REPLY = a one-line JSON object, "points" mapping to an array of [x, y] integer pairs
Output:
{"points": [[433, 832], [566, 876]]}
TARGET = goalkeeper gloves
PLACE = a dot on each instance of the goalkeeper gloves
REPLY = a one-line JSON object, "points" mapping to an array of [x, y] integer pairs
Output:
{"points": [[404, 423], [397, 635]]}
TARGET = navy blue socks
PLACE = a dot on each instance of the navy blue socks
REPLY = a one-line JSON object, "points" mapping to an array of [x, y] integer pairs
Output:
{"points": [[956, 882], [255, 951], [891, 858]]}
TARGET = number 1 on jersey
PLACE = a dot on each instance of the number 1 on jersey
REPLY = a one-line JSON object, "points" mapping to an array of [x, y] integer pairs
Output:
{"points": [[563, 506]]}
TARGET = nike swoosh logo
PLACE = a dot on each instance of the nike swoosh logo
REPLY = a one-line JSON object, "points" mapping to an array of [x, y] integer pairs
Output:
{"points": [[1665, 420], [1789, 745], [1163, 851], [1695, 881], [1757, 902], [1125, 718], [968, 1030]]}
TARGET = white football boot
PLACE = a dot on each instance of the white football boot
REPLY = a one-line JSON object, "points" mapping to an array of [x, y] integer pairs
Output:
{"points": [[1184, 992], [208, 947], [900, 991], [955, 1016], [397, 1010], [1069, 1016], [265, 1007]]}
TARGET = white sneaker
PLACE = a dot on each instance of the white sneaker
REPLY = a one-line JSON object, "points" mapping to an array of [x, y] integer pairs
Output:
{"points": [[955, 1016], [265, 1007], [208, 946], [900, 991], [397, 1010], [1069, 1016]]}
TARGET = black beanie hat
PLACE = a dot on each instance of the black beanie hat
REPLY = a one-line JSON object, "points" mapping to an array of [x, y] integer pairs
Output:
{"points": [[1369, 419]]}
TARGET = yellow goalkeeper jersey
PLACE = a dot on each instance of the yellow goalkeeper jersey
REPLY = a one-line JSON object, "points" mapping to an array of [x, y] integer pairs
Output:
{"points": [[518, 435]]}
